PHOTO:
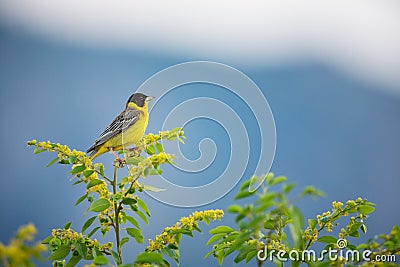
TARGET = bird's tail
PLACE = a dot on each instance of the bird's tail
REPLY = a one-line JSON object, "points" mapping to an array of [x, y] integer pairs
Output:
{"points": [[94, 152]]}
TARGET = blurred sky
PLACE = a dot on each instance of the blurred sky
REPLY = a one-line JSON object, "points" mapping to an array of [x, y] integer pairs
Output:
{"points": [[330, 72]]}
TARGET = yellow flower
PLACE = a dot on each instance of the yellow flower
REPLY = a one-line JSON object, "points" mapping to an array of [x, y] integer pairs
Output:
{"points": [[168, 235]]}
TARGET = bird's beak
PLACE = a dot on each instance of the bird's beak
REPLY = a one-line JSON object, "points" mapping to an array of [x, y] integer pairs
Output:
{"points": [[149, 98]]}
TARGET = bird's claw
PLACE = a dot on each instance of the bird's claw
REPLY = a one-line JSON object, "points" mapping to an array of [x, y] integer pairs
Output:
{"points": [[119, 162]]}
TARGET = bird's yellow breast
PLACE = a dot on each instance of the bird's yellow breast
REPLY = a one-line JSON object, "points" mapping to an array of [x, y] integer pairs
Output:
{"points": [[133, 134]]}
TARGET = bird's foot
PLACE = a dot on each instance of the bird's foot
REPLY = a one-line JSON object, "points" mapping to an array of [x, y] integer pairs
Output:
{"points": [[118, 160]]}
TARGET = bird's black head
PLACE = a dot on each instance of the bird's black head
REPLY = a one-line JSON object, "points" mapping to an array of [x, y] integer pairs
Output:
{"points": [[139, 99]]}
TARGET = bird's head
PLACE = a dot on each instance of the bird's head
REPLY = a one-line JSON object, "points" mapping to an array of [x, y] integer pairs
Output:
{"points": [[139, 100]]}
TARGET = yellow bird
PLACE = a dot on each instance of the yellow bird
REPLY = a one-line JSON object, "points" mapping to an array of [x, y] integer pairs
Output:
{"points": [[126, 129]]}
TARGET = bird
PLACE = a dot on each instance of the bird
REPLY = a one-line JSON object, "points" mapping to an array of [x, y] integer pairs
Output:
{"points": [[126, 129]]}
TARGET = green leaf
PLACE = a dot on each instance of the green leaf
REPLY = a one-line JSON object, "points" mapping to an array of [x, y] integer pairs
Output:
{"points": [[73, 261], [82, 249], [133, 160], [47, 239], [354, 229], [208, 254], [52, 162], [286, 188], [150, 150], [87, 173], [312, 191], [82, 198], [72, 159], [170, 253], [142, 216], [195, 227], [159, 148], [129, 201], [178, 238], [93, 231], [220, 256], [37, 150], [150, 257], [100, 260], [136, 234], [251, 255], [214, 238], [101, 170], [243, 194], [183, 231], [115, 257], [100, 205], [327, 239], [245, 185], [134, 207], [67, 225], [151, 171], [60, 253], [235, 208], [243, 253], [277, 180], [143, 206], [88, 223], [354, 234], [78, 169], [239, 217], [364, 228], [366, 209], [221, 229], [94, 182], [124, 240], [77, 182], [270, 223], [323, 264], [133, 221], [312, 223]]}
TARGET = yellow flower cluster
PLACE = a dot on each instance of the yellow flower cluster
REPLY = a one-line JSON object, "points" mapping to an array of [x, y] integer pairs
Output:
{"points": [[101, 189], [162, 135], [138, 170], [78, 159], [69, 236], [310, 234], [68, 156], [63, 151], [145, 265], [337, 205], [17, 252], [160, 158], [324, 220], [345, 232], [168, 235], [274, 244]]}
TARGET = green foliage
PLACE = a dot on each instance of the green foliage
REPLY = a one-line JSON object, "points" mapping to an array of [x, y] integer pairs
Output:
{"points": [[115, 203], [21, 251], [167, 243], [268, 221], [271, 223]]}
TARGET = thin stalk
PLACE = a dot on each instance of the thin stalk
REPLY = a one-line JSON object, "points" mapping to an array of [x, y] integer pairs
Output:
{"points": [[116, 212]]}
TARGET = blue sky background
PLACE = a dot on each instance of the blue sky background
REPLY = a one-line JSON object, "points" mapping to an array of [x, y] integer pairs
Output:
{"points": [[334, 131]]}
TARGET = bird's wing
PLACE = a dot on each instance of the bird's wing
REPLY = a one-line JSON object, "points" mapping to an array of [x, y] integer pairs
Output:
{"points": [[123, 121]]}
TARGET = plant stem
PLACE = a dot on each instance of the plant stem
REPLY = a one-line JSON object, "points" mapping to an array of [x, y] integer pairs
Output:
{"points": [[116, 212]]}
